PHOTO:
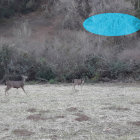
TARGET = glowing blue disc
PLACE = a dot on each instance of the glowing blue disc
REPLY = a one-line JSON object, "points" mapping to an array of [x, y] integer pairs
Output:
{"points": [[112, 24]]}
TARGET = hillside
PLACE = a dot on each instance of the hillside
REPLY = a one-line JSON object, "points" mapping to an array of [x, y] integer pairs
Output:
{"points": [[46, 39]]}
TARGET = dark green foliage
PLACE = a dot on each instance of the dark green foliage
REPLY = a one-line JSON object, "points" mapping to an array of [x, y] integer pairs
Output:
{"points": [[116, 68], [83, 8], [80, 72], [137, 13], [136, 4], [45, 72], [94, 65], [10, 8], [2, 71], [13, 62], [5, 57], [6, 12], [52, 81]]}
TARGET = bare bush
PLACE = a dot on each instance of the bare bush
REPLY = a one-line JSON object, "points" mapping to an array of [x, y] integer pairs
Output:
{"points": [[69, 52], [131, 55]]}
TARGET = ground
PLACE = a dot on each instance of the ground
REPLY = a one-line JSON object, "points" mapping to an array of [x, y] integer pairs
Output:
{"points": [[57, 112]]}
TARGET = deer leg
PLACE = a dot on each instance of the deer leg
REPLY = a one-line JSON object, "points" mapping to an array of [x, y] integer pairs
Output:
{"points": [[6, 90], [24, 90]]}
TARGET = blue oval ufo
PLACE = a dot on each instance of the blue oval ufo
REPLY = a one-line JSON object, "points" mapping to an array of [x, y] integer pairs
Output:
{"points": [[112, 24]]}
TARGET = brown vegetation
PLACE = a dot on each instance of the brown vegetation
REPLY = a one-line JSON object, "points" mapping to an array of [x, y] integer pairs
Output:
{"points": [[54, 46], [22, 132]]}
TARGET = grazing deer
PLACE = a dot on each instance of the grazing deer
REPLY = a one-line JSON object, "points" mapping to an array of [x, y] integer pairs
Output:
{"points": [[16, 84], [79, 82]]}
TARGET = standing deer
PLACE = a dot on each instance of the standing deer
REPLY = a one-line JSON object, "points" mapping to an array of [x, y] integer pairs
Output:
{"points": [[16, 84], [79, 82]]}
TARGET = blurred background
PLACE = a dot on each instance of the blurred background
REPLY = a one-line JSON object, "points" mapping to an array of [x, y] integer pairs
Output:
{"points": [[45, 39]]}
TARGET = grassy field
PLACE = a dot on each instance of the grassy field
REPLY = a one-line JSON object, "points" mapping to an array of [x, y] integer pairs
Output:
{"points": [[57, 112]]}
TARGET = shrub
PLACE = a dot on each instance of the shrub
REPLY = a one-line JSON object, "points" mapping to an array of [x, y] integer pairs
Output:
{"points": [[96, 77], [10, 8], [52, 81], [45, 72], [5, 58], [118, 67], [94, 64], [15, 62]]}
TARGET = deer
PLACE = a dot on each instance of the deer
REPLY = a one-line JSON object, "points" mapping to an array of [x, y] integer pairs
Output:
{"points": [[15, 84], [79, 82]]}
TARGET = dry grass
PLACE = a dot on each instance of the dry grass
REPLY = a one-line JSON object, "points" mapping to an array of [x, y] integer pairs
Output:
{"points": [[56, 112]]}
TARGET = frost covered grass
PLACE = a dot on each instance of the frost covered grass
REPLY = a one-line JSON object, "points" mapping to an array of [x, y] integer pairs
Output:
{"points": [[57, 112]]}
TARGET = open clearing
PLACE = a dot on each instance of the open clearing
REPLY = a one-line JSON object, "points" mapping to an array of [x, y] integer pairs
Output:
{"points": [[56, 112]]}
